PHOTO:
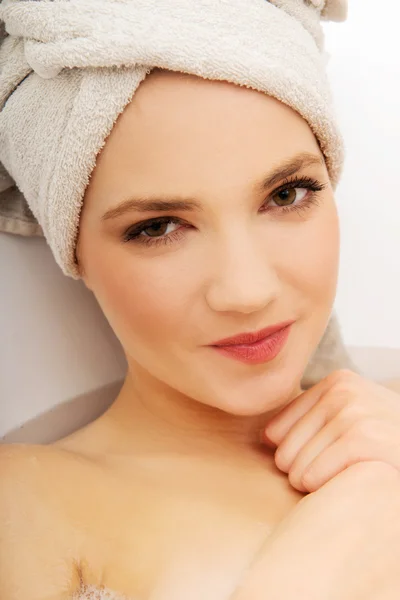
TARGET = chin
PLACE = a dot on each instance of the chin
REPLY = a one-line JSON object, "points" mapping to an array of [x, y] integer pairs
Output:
{"points": [[251, 390], [259, 395]]}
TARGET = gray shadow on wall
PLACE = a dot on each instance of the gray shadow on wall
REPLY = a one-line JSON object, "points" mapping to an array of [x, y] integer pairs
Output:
{"points": [[65, 418]]}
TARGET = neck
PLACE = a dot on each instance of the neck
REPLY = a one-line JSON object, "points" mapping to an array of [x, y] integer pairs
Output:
{"points": [[149, 417]]}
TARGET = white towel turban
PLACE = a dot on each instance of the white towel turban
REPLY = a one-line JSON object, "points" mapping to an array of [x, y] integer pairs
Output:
{"points": [[68, 68]]}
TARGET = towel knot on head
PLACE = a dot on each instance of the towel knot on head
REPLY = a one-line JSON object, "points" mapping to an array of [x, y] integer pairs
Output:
{"points": [[77, 33]]}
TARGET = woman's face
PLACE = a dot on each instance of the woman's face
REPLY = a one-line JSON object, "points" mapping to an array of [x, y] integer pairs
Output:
{"points": [[246, 236]]}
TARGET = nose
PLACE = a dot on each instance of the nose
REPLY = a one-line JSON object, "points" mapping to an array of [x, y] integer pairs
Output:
{"points": [[244, 279]]}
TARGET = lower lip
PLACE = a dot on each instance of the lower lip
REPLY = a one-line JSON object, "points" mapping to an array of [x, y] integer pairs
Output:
{"points": [[259, 352]]}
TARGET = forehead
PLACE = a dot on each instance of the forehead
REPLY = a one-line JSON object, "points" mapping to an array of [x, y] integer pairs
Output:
{"points": [[181, 133]]}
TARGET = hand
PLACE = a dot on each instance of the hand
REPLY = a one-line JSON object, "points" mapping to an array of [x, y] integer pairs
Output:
{"points": [[339, 543], [343, 420]]}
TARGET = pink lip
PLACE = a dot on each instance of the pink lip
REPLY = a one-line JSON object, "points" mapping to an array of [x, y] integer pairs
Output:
{"points": [[251, 338], [256, 348]]}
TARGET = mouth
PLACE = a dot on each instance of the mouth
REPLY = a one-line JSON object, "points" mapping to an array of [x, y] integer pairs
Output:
{"points": [[255, 348]]}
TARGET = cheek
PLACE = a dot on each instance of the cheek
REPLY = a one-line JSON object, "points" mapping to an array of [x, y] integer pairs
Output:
{"points": [[326, 243], [313, 257], [142, 301]]}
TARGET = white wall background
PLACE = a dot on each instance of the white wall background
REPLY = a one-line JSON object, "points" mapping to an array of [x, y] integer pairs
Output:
{"points": [[365, 74], [57, 346]]}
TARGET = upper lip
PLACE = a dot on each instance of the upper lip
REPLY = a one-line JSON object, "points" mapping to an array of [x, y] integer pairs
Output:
{"points": [[252, 338]]}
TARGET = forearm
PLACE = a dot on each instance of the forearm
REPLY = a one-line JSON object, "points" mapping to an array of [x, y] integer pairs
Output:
{"points": [[339, 543], [275, 574], [303, 570]]}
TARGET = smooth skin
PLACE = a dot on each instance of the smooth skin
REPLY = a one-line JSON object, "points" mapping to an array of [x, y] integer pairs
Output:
{"points": [[176, 479]]}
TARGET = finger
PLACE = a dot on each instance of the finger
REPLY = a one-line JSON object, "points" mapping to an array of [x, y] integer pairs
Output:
{"points": [[336, 458], [325, 438], [300, 436], [277, 428], [327, 417]]}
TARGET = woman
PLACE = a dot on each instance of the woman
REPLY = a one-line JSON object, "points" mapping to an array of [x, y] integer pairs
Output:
{"points": [[209, 236]]}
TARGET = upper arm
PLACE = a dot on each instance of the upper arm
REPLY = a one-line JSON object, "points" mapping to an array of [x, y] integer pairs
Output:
{"points": [[35, 556]]}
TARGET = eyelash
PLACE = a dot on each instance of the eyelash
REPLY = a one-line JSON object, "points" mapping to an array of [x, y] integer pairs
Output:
{"points": [[133, 234]]}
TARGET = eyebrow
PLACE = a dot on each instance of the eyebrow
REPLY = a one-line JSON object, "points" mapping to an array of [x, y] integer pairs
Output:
{"points": [[166, 204]]}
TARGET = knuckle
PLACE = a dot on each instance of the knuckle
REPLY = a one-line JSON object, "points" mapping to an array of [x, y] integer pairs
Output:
{"points": [[345, 380], [362, 427], [344, 395], [341, 421], [343, 375], [348, 374], [355, 417], [337, 401]]}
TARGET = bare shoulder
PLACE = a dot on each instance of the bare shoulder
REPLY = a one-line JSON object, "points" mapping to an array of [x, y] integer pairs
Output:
{"points": [[26, 460], [42, 472], [39, 547]]}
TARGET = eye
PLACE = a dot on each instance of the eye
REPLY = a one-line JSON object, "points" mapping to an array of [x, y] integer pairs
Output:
{"points": [[296, 194], [154, 231], [159, 228], [289, 196]]}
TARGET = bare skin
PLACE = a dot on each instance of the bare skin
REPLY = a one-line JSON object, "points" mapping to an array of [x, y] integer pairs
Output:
{"points": [[172, 481]]}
